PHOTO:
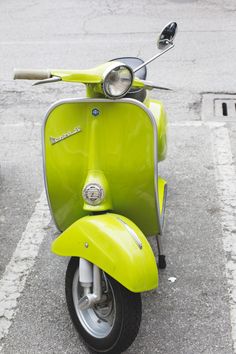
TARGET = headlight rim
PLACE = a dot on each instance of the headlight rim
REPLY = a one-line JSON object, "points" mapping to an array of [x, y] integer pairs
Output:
{"points": [[105, 76]]}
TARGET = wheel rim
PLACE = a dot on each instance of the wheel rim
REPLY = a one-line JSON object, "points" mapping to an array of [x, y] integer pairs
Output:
{"points": [[98, 320]]}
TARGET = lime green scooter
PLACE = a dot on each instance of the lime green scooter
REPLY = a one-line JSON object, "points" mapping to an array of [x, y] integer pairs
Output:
{"points": [[101, 157]]}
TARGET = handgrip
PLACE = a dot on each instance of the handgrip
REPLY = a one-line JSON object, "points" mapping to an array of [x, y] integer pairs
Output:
{"points": [[31, 74]]}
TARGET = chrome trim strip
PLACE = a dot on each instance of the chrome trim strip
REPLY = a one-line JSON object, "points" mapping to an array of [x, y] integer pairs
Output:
{"points": [[94, 100], [44, 165], [132, 233]]}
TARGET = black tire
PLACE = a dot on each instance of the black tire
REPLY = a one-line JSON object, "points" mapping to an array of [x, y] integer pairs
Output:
{"points": [[126, 312]]}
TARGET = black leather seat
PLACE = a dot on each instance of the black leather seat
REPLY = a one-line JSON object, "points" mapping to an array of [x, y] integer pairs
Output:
{"points": [[133, 62]]}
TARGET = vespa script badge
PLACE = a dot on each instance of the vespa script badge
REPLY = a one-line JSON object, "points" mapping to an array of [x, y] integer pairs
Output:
{"points": [[64, 136]]}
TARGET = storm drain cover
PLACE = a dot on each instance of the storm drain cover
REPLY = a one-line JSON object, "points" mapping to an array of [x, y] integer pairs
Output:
{"points": [[218, 107]]}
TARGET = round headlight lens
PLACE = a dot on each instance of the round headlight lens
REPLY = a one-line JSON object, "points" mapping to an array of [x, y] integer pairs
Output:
{"points": [[118, 81], [93, 194]]}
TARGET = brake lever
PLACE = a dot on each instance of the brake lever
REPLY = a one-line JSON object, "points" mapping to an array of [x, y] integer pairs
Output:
{"points": [[162, 88], [48, 81], [149, 86]]}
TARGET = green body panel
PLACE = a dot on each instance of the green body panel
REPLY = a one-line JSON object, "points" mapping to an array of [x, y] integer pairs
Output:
{"points": [[93, 78], [161, 193], [158, 111], [105, 241], [116, 149], [89, 76]]}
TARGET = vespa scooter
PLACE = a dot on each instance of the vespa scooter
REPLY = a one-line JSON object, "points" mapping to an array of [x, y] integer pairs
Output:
{"points": [[100, 156]]}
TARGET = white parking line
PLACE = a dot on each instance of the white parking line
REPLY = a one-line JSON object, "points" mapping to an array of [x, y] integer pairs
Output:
{"points": [[196, 123], [225, 176], [13, 280], [226, 188]]}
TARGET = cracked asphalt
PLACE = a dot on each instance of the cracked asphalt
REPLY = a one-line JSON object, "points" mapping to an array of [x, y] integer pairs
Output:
{"points": [[196, 313]]}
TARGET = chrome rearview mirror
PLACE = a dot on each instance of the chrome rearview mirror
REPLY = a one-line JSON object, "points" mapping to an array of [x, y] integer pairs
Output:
{"points": [[167, 36], [165, 43]]}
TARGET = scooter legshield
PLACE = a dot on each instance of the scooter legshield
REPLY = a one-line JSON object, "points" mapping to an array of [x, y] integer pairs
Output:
{"points": [[116, 245], [114, 143]]}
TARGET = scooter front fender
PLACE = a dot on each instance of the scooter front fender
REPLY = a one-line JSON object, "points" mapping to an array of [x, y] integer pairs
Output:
{"points": [[116, 245]]}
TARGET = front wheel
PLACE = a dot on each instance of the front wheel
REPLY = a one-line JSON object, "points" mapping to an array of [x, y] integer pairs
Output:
{"points": [[111, 325]]}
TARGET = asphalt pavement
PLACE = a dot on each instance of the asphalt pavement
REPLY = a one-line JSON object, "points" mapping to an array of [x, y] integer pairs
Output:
{"points": [[196, 313]]}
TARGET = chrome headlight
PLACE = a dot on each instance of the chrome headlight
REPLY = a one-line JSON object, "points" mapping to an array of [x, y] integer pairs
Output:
{"points": [[93, 194], [118, 81]]}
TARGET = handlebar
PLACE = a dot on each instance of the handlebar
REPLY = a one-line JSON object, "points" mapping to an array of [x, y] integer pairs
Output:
{"points": [[31, 74], [48, 76]]}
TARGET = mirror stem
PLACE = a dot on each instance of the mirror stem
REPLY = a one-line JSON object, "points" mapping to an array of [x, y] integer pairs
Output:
{"points": [[153, 58]]}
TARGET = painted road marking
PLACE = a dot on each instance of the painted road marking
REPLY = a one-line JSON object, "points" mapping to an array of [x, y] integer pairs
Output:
{"points": [[225, 176], [14, 278], [197, 123]]}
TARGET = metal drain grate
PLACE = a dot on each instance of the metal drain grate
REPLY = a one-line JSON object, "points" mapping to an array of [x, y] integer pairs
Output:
{"points": [[225, 107], [218, 107]]}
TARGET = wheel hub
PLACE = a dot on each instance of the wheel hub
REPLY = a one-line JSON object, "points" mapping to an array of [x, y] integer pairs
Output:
{"points": [[98, 320]]}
